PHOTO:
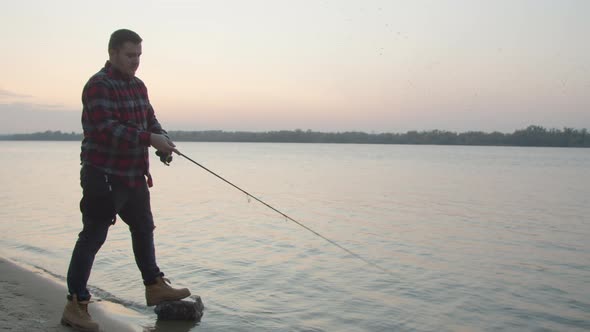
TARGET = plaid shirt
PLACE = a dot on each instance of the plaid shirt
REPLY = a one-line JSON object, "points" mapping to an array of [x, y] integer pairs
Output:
{"points": [[118, 119]]}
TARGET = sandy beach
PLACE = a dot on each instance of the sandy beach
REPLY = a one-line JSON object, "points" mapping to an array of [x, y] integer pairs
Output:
{"points": [[30, 301]]}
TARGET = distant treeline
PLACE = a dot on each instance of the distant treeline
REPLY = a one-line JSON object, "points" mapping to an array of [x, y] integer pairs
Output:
{"points": [[531, 136], [43, 136]]}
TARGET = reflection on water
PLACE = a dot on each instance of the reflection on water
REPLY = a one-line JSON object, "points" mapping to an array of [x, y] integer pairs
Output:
{"points": [[172, 325], [477, 238]]}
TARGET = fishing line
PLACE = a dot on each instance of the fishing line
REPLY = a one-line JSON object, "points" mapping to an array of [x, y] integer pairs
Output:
{"points": [[291, 219]]}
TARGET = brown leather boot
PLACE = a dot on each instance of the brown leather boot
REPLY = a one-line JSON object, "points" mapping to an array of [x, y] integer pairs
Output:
{"points": [[76, 315], [161, 291]]}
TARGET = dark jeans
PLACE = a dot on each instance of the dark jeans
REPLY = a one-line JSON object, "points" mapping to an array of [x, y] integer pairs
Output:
{"points": [[103, 198]]}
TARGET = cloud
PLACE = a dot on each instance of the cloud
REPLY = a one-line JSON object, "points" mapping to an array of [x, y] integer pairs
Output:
{"points": [[29, 117], [23, 113], [11, 94]]}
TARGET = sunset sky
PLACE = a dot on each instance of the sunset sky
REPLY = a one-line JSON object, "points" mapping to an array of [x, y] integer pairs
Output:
{"points": [[325, 65]]}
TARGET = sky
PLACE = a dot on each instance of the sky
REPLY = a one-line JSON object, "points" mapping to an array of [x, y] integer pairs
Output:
{"points": [[332, 65]]}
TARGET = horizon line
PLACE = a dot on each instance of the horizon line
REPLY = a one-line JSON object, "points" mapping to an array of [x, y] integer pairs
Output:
{"points": [[372, 132]]}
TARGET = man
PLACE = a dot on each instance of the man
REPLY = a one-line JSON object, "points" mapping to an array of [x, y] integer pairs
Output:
{"points": [[119, 126]]}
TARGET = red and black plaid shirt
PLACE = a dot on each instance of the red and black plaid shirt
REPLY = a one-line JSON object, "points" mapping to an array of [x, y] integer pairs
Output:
{"points": [[118, 119]]}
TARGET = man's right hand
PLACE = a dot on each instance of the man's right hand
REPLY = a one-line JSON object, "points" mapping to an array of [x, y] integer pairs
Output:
{"points": [[162, 143]]}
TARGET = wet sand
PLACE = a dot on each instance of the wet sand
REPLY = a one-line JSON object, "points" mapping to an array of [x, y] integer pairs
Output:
{"points": [[30, 301]]}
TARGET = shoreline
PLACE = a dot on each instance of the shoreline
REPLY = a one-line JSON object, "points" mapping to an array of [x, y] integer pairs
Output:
{"points": [[531, 136], [33, 302]]}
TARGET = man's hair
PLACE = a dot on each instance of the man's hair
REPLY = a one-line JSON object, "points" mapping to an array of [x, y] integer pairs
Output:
{"points": [[120, 37]]}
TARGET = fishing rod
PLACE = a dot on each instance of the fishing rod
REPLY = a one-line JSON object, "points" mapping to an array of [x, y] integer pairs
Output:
{"points": [[350, 252]]}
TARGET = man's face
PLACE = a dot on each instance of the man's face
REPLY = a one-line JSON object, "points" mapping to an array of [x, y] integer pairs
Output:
{"points": [[126, 58]]}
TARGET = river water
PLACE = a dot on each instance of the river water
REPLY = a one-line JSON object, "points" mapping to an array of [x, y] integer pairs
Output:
{"points": [[472, 238]]}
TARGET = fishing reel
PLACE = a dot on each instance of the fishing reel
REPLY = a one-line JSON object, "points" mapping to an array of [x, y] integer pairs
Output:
{"points": [[165, 158]]}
